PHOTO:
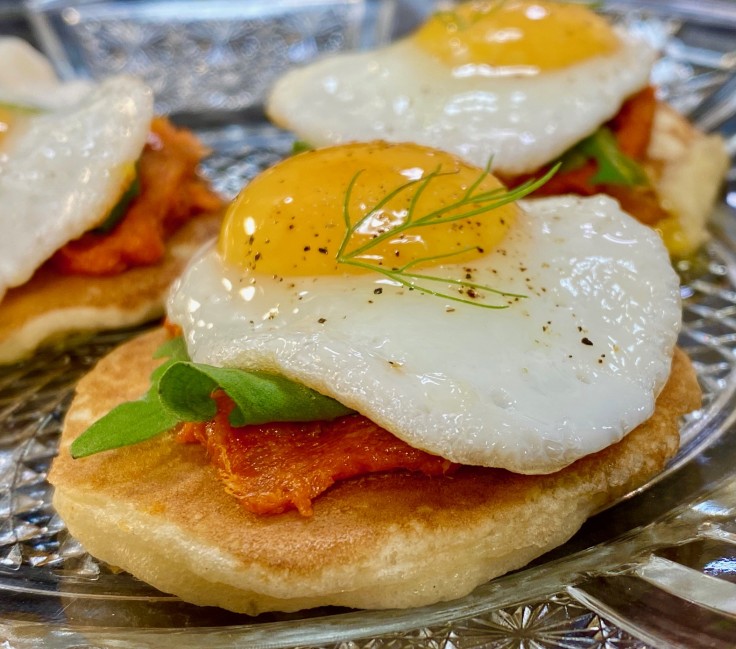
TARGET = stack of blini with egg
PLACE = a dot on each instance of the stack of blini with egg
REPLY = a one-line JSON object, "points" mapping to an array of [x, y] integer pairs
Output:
{"points": [[394, 376], [99, 204]]}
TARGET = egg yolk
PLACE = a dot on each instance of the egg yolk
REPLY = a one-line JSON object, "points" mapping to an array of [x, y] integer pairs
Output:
{"points": [[378, 204], [14, 119], [6, 119], [516, 36]]}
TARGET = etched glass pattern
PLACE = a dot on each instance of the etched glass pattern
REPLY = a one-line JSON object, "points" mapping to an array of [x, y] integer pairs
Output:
{"points": [[200, 55], [53, 594]]}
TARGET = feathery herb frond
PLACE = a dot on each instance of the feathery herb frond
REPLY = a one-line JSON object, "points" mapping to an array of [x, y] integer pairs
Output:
{"points": [[468, 206]]}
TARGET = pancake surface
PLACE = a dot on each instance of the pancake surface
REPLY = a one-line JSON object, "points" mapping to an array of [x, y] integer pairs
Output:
{"points": [[51, 306], [392, 540]]}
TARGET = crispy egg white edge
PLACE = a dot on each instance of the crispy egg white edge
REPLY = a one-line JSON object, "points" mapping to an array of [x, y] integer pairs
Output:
{"points": [[515, 388], [399, 93], [24, 65], [27, 78], [63, 171]]}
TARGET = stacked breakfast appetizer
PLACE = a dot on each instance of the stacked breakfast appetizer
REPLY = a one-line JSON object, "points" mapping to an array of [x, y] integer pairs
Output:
{"points": [[100, 203], [417, 356]]}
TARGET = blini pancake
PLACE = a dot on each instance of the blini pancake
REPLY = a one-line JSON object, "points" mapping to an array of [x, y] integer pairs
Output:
{"points": [[390, 540], [52, 306]]}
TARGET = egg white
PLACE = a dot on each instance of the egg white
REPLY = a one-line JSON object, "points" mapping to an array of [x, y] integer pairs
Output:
{"points": [[63, 168], [27, 78], [564, 372], [400, 93]]}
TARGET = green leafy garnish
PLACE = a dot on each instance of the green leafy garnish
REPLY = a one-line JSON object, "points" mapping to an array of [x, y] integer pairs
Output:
{"points": [[23, 109], [119, 209], [471, 204], [129, 423], [174, 349], [186, 389], [454, 19], [300, 146], [182, 391], [134, 421], [614, 166]]}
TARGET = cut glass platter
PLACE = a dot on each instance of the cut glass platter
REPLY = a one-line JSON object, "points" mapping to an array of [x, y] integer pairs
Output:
{"points": [[656, 570]]}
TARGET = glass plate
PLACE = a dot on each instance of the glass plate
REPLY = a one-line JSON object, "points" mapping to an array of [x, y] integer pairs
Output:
{"points": [[658, 569]]}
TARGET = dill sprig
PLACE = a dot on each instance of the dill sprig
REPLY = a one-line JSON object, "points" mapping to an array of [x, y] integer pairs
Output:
{"points": [[471, 204], [452, 17]]}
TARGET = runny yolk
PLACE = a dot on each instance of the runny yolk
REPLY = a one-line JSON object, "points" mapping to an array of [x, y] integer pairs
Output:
{"points": [[516, 36], [291, 220]]}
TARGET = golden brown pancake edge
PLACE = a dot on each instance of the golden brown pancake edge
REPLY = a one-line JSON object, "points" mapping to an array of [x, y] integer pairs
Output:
{"points": [[50, 307], [384, 541]]}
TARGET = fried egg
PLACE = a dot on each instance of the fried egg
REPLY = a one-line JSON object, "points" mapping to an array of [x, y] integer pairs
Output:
{"points": [[28, 79], [406, 284], [517, 82], [67, 154]]}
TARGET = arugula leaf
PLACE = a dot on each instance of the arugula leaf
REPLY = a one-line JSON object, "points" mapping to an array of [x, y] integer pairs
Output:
{"points": [[129, 423], [133, 421], [174, 348], [119, 209], [300, 146], [23, 109], [182, 391], [572, 159], [614, 166], [186, 390]]}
